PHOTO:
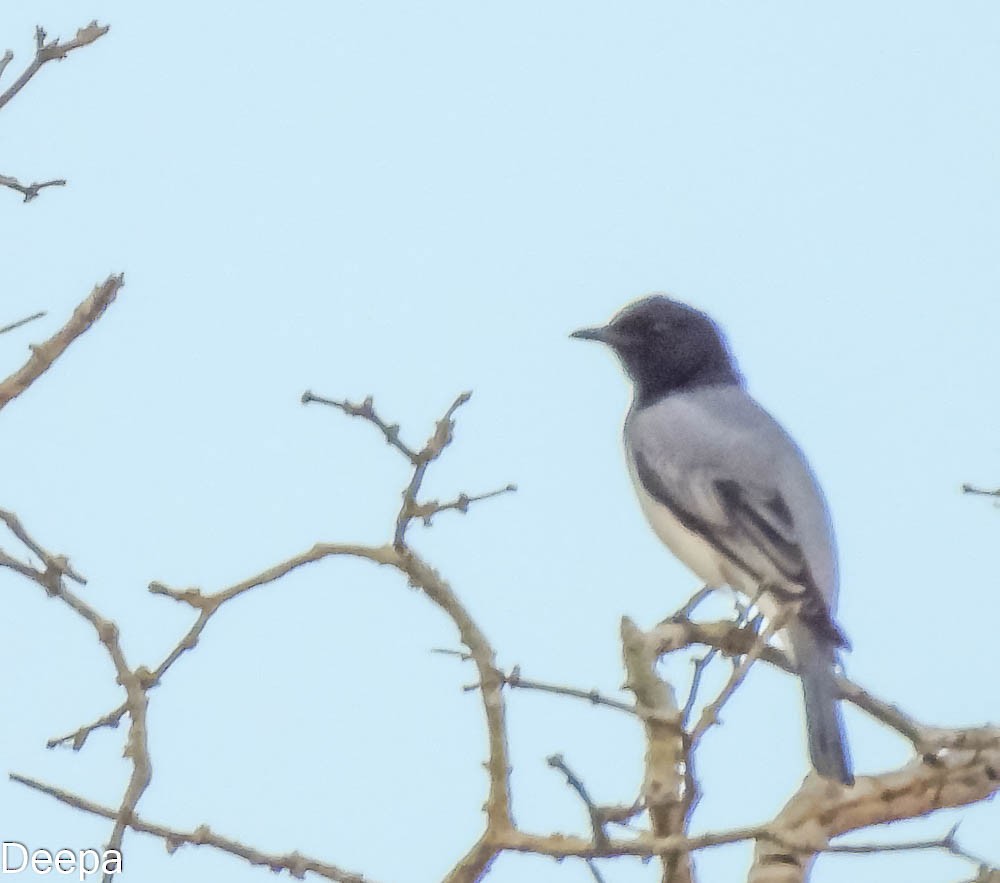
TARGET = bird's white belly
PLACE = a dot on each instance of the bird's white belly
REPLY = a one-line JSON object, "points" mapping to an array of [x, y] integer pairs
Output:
{"points": [[701, 558], [691, 550], [695, 553]]}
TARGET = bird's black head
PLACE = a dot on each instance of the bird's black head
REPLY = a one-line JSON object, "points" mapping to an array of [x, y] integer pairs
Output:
{"points": [[666, 346]]}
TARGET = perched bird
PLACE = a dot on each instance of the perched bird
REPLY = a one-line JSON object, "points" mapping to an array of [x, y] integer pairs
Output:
{"points": [[730, 493]]}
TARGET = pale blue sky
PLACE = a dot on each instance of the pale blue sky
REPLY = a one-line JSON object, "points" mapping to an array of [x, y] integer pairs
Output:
{"points": [[410, 200]]}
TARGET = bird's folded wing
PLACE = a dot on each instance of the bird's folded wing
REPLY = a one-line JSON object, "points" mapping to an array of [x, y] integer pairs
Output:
{"points": [[746, 521]]}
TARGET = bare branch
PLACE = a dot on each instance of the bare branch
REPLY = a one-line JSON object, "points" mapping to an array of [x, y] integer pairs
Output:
{"points": [[955, 766], [56, 566], [700, 665], [710, 714], [420, 575], [30, 191], [44, 354], [668, 783], [821, 810], [560, 846], [948, 843], [136, 746], [431, 451], [46, 52], [969, 489], [692, 603], [556, 846], [734, 640], [426, 511], [597, 820], [79, 736], [296, 865], [498, 810], [516, 680], [366, 411], [419, 460], [23, 321]]}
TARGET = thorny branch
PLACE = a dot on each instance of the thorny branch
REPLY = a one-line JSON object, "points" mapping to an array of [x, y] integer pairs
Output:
{"points": [[296, 865], [44, 354], [29, 191], [668, 782], [45, 52], [419, 574], [51, 579], [515, 679], [952, 767]]}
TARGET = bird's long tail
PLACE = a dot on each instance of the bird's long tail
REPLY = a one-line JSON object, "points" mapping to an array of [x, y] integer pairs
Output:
{"points": [[816, 657]]}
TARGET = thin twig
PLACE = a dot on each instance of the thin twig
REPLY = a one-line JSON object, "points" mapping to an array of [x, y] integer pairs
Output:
{"points": [[136, 745], [700, 665], [710, 713], [597, 821], [30, 191], [79, 736], [23, 321], [516, 680], [296, 865], [692, 603], [426, 511], [435, 445], [982, 492], [46, 52], [733, 640], [366, 411], [948, 843]]}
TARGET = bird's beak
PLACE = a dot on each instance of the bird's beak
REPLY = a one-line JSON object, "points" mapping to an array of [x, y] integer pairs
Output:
{"points": [[604, 334]]}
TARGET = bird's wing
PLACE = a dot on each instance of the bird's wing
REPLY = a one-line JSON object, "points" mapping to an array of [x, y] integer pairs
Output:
{"points": [[729, 473]]}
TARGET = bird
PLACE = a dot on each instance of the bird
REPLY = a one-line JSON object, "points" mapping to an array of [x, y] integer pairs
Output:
{"points": [[731, 495]]}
